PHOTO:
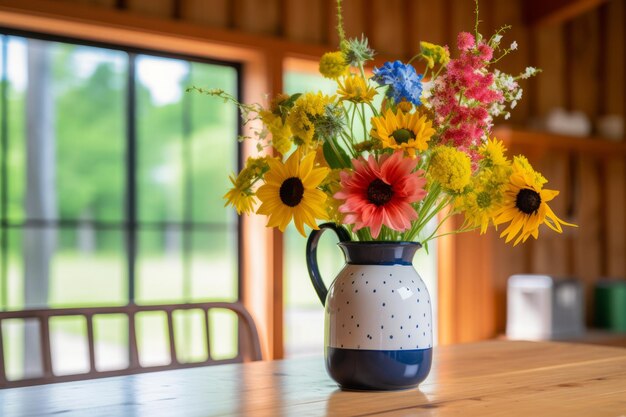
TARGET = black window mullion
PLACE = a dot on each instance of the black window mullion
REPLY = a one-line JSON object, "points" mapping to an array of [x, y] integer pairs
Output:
{"points": [[240, 165], [131, 175], [187, 189], [4, 195]]}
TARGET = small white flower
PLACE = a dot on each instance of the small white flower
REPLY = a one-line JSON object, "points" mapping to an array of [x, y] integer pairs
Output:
{"points": [[513, 46], [497, 39], [530, 71]]}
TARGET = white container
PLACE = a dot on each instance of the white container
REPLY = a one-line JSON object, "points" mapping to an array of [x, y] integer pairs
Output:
{"points": [[541, 307]]}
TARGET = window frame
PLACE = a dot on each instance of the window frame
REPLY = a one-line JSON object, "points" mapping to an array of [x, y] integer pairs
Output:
{"points": [[129, 223]]}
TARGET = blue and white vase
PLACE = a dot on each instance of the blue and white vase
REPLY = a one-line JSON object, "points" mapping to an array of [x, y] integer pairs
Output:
{"points": [[378, 319]]}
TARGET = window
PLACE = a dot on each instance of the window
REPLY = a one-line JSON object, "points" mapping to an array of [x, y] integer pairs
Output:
{"points": [[111, 179]]}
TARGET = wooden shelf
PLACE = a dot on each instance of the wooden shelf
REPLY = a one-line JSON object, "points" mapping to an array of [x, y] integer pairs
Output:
{"points": [[547, 140]]}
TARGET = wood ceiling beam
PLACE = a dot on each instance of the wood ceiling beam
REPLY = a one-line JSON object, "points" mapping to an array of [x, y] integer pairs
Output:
{"points": [[549, 12]]}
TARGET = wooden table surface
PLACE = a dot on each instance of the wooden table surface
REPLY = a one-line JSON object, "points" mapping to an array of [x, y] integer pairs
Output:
{"points": [[495, 378]]}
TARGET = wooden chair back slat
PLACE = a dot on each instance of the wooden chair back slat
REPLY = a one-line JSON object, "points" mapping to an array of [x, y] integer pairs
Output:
{"points": [[46, 351], [91, 343], [170, 331], [208, 334], [3, 375], [250, 348], [133, 351]]}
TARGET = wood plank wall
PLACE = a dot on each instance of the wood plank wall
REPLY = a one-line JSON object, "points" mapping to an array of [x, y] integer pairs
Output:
{"points": [[576, 56], [583, 69]]}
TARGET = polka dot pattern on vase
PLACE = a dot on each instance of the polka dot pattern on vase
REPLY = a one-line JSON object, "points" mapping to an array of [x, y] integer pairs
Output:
{"points": [[379, 307]]}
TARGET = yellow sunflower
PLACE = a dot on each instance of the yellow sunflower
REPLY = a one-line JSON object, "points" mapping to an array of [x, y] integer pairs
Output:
{"points": [[290, 191], [408, 131], [525, 204], [354, 88]]}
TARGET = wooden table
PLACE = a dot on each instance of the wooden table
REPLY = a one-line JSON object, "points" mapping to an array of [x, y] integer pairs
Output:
{"points": [[496, 378]]}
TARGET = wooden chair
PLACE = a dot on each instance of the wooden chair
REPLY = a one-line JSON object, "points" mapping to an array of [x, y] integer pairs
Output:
{"points": [[249, 347]]}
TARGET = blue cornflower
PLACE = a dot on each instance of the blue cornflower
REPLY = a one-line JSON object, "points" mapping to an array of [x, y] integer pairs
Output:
{"points": [[402, 80]]}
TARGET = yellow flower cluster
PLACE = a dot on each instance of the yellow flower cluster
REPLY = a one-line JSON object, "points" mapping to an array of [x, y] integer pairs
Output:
{"points": [[331, 185], [487, 187], [434, 54], [333, 65], [522, 166], [300, 119], [281, 132], [241, 196], [451, 168]]}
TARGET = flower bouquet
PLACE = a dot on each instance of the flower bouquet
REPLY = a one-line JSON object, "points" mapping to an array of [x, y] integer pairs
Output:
{"points": [[384, 157], [385, 171]]}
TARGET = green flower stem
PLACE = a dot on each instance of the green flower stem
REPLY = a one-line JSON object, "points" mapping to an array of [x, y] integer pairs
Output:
{"points": [[431, 236], [414, 57], [374, 110], [347, 140], [426, 211], [362, 71], [454, 232], [426, 218], [354, 110], [362, 115]]}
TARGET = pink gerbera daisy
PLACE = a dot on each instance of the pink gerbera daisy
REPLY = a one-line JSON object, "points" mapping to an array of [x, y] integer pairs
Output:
{"points": [[381, 193]]}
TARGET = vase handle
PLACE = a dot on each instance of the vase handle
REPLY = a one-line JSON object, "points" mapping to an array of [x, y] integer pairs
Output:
{"points": [[311, 255]]}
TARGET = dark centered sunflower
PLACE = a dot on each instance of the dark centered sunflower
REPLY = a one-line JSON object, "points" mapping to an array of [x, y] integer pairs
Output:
{"points": [[525, 205], [290, 192]]}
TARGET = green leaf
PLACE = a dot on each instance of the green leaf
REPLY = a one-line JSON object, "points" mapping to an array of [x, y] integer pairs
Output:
{"points": [[335, 161]]}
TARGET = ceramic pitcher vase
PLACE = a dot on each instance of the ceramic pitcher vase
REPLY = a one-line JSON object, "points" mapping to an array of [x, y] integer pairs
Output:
{"points": [[378, 320]]}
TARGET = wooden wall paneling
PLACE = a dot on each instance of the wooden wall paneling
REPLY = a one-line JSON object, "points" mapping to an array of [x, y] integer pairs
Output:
{"points": [[509, 12], [613, 212], [583, 38], [447, 268], [460, 18], [354, 18], [465, 286], [411, 43], [304, 20], [549, 46], [388, 27], [206, 12], [474, 319], [587, 255], [550, 252], [430, 22], [507, 260], [261, 252], [160, 8], [329, 10], [105, 3], [542, 12], [257, 16], [613, 93]]}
